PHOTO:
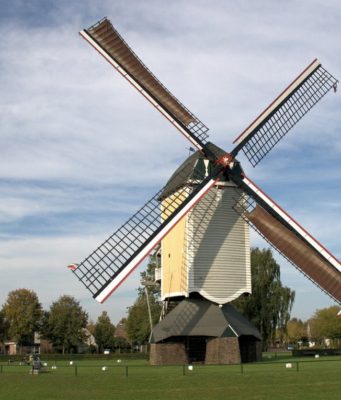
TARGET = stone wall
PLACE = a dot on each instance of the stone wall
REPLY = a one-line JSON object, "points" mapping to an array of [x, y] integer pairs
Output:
{"points": [[227, 350], [222, 351], [168, 354]]}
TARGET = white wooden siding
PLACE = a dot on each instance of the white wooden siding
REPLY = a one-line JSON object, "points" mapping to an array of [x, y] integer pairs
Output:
{"points": [[218, 248]]}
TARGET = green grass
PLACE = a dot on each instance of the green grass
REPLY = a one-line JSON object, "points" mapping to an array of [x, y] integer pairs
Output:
{"points": [[315, 379]]}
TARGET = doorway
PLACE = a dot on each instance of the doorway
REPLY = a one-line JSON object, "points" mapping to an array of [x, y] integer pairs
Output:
{"points": [[196, 349]]}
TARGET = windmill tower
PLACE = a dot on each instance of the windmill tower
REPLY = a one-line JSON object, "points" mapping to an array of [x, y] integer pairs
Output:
{"points": [[208, 251], [195, 205]]}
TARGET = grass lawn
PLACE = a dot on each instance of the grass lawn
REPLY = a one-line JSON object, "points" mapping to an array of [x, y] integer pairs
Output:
{"points": [[315, 379]]}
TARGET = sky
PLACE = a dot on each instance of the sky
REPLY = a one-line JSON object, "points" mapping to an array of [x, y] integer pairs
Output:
{"points": [[81, 150]]}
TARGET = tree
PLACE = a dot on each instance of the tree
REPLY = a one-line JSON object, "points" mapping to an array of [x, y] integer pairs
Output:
{"points": [[3, 327], [23, 314], [121, 344], [148, 278], [65, 324], [137, 324], [285, 300], [325, 324], [91, 327], [120, 330], [121, 341], [296, 330], [270, 304], [104, 332]]}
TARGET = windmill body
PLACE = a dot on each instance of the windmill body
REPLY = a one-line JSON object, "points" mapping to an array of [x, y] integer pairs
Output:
{"points": [[202, 215], [208, 251]]}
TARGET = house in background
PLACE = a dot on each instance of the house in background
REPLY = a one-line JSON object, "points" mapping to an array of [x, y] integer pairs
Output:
{"points": [[36, 345], [89, 344], [10, 348]]}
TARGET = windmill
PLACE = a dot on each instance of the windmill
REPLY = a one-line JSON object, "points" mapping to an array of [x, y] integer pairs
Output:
{"points": [[210, 180]]}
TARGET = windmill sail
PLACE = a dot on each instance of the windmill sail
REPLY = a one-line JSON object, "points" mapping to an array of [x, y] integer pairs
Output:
{"points": [[284, 112], [291, 240], [122, 252], [110, 264], [108, 42]]}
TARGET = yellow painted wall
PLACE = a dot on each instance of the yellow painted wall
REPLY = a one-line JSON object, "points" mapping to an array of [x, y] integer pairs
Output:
{"points": [[174, 271]]}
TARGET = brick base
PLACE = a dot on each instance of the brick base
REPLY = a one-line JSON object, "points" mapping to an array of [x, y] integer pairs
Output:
{"points": [[168, 354], [223, 351]]}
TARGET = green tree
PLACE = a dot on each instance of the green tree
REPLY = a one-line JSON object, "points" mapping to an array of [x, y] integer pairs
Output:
{"points": [[65, 324], [104, 332], [120, 328], [3, 327], [296, 330], [91, 327], [137, 324], [148, 278], [23, 314], [270, 304], [325, 324], [121, 344], [285, 298]]}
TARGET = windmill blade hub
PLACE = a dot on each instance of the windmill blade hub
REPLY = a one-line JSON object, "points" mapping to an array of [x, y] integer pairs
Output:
{"points": [[226, 160]]}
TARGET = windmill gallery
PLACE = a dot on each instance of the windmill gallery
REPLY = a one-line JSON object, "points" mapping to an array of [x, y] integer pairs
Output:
{"points": [[202, 216]]}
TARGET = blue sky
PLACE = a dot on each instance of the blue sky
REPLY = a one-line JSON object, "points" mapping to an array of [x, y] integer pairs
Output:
{"points": [[80, 150]]}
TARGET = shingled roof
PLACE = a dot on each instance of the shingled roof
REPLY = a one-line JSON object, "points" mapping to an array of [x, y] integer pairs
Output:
{"points": [[200, 317], [193, 168]]}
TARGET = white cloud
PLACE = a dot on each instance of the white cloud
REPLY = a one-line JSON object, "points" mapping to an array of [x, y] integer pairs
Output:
{"points": [[41, 265]]}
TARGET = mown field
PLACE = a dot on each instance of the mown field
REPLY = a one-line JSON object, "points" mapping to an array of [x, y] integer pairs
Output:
{"points": [[135, 379]]}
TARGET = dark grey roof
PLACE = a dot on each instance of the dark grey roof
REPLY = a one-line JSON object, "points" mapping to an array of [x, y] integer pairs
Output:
{"points": [[200, 317], [192, 168]]}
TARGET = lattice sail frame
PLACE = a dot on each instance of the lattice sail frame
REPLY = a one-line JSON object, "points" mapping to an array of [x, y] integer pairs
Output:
{"points": [[106, 267], [289, 107]]}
